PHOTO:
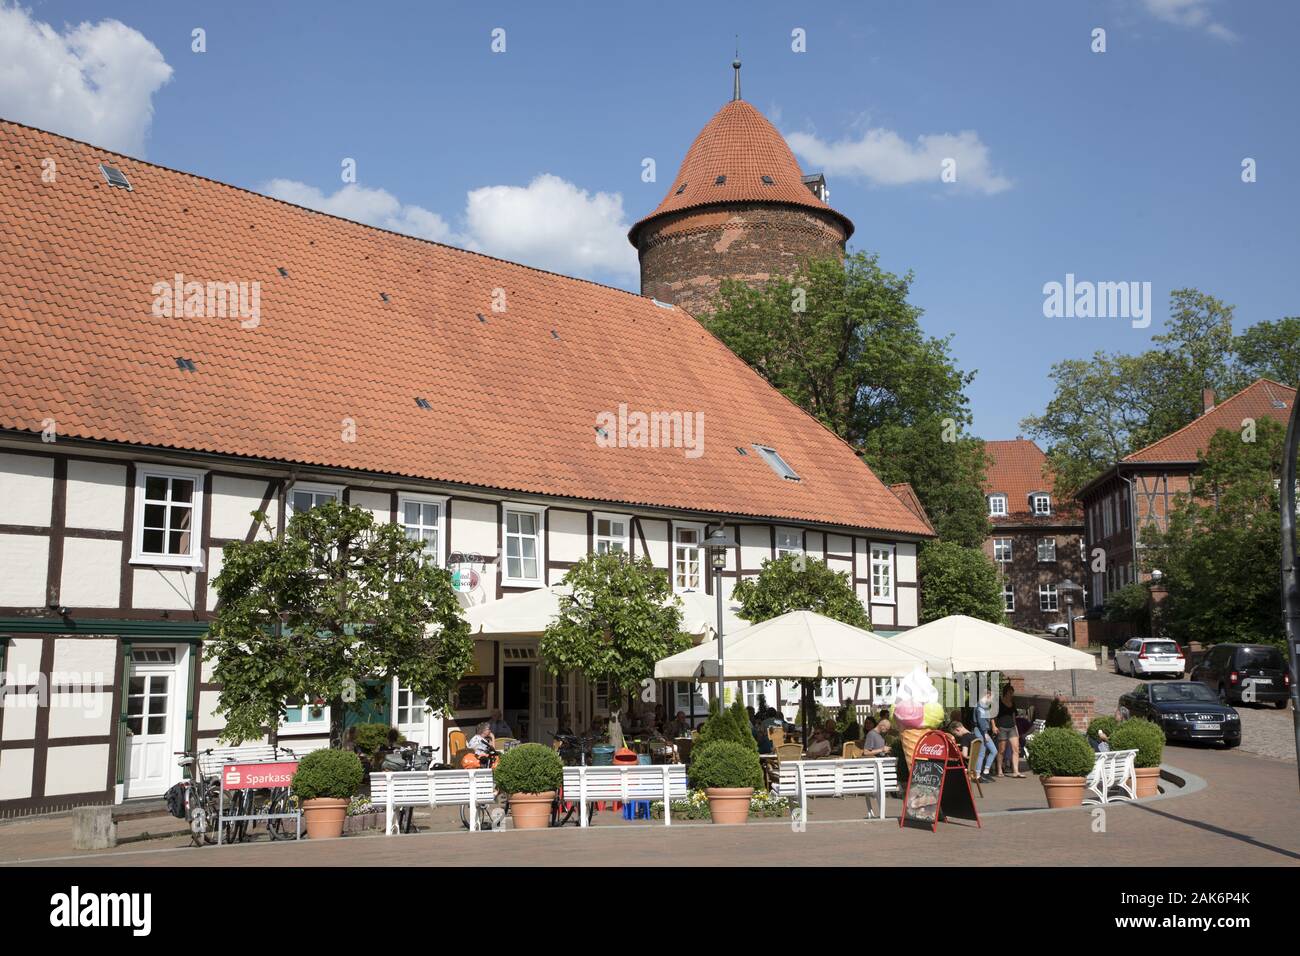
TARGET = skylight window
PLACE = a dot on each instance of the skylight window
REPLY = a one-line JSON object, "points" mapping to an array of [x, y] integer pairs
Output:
{"points": [[768, 181], [720, 180], [680, 189], [776, 462], [384, 296], [480, 317], [424, 403], [115, 177], [284, 273], [185, 364]]}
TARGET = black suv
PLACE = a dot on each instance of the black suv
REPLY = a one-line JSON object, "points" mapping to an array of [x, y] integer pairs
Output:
{"points": [[1245, 673]]}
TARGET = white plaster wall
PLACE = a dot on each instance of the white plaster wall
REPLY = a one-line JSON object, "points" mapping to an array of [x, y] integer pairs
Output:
{"points": [[96, 495], [815, 542], [568, 535], [16, 773], [378, 503], [755, 545], [907, 615], [839, 544], [474, 528], [905, 561], [24, 559], [23, 659], [20, 716], [882, 615], [78, 769], [92, 573], [75, 714], [233, 502], [655, 533], [26, 489], [207, 717], [215, 556], [94, 658], [164, 588]]}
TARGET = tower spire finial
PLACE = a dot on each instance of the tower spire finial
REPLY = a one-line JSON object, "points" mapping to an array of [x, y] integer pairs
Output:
{"points": [[735, 65]]}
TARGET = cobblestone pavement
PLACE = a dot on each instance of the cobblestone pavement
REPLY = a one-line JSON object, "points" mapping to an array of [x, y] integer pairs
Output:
{"points": [[1245, 814], [1265, 729]]}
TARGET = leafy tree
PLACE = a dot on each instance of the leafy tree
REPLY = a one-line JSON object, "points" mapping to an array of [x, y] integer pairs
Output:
{"points": [[1269, 350], [1105, 407], [620, 618], [795, 582], [958, 580], [840, 340], [1129, 605], [338, 599], [1221, 549]]}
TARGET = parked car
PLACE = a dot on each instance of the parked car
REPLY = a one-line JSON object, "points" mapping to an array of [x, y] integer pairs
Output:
{"points": [[1148, 656], [1059, 632], [1185, 710], [1232, 670]]}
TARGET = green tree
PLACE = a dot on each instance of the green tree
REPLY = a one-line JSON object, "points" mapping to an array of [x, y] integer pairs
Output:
{"points": [[618, 620], [1269, 350], [337, 600], [840, 340], [794, 582], [1221, 550], [1130, 604], [958, 580], [1105, 407]]}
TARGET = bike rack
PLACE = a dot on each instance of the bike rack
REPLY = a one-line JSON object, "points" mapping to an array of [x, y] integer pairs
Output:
{"points": [[223, 818]]}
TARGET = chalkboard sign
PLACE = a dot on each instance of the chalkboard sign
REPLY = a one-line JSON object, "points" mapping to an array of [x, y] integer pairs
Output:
{"points": [[937, 788]]}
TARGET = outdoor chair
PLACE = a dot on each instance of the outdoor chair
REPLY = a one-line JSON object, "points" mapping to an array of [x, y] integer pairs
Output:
{"points": [[851, 750], [456, 741], [789, 752], [684, 749], [777, 736]]}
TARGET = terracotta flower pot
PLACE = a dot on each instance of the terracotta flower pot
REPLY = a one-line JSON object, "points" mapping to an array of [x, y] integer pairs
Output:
{"points": [[1064, 791], [729, 804], [1147, 777], [324, 817], [531, 811]]}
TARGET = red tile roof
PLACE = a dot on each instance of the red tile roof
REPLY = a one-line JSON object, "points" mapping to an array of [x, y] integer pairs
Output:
{"points": [[513, 399], [908, 496], [742, 145], [1017, 468], [1263, 398]]}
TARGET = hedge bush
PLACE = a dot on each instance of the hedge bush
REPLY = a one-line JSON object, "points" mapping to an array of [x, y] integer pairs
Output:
{"points": [[1103, 724], [529, 768], [335, 774], [1060, 752], [730, 724], [1058, 715], [1143, 736], [725, 763]]}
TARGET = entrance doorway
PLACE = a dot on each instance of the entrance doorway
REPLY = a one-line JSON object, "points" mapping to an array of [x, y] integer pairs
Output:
{"points": [[517, 697], [155, 718]]}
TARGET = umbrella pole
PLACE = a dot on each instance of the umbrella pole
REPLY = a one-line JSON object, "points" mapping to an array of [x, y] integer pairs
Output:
{"points": [[806, 695]]}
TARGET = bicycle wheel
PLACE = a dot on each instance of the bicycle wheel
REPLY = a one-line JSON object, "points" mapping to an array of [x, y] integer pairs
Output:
{"points": [[206, 806]]}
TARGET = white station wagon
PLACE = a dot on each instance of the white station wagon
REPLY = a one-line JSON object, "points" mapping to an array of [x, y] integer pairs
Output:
{"points": [[1147, 656]]}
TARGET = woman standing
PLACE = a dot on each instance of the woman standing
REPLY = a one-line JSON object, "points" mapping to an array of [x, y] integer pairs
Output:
{"points": [[1008, 735]]}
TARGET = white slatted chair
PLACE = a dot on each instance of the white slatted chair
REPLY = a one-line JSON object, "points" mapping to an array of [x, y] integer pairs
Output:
{"points": [[868, 776], [1114, 769], [666, 782], [431, 788]]}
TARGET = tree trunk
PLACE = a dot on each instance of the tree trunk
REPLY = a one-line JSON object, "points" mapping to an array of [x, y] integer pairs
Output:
{"points": [[336, 722]]}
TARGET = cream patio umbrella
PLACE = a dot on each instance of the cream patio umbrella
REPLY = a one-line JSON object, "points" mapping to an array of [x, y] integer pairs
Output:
{"points": [[528, 614], [964, 643]]}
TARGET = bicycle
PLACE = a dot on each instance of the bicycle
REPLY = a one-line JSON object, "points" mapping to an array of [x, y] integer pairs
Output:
{"points": [[410, 757], [202, 798], [575, 751], [490, 816]]}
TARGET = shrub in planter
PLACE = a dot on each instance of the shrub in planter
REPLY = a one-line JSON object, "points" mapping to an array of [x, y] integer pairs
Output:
{"points": [[1062, 759], [731, 724], [370, 740], [729, 773], [1103, 724], [1148, 740], [325, 782], [530, 773]]}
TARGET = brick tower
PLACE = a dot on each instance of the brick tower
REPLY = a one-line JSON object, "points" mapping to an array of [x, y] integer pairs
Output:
{"points": [[739, 208]]}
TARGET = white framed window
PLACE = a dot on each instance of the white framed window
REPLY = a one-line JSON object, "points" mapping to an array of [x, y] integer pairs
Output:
{"points": [[168, 517], [305, 495], [752, 691], [683, 692], [422, 517], [600, 691], [306, 716], [788, 541], [1002, 550], [1046, 549], [1041, 504], [998, 506], [524, 558], [408, 710], [882, 573], [1008, 597], [688, 557], [611, 533], [1048, 598]]}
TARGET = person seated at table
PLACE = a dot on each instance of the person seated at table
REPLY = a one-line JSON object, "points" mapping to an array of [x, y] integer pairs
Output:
{"points": [[762, 739], [483, 740], [874, 745], [823, 740], [679, 726], [499, 726]]}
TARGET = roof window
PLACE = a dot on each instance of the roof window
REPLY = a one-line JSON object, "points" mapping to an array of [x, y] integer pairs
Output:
{"points": [[680, 189], [776, 462], [768, 181], [185, 364], [720, 180], [115, 177], [423, 403]]}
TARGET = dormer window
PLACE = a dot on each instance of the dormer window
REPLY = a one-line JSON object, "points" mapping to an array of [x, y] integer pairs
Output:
{"points": [[1041, 504], [997, 506]]}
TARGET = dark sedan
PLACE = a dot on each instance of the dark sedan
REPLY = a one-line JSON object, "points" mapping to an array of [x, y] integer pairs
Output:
{"points": [[1186, 710]]}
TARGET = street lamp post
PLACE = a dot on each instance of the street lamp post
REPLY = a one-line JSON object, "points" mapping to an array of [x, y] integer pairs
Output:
{"points": [[1069, 587], [717, 543]]}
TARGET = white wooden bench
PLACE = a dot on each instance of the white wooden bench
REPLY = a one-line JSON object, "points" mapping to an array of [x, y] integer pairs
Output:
{"points": [[431, 788], [1113, 769], [210, 764], [666, 782], [869, 776]]}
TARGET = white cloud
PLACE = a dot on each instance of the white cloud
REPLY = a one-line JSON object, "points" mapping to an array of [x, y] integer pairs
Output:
{"points": [[884, 158], [93, 81], [550, 223], [1193, 14]]}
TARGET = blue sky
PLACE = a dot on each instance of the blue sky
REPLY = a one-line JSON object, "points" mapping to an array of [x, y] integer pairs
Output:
{"points": [[1115, 166]]}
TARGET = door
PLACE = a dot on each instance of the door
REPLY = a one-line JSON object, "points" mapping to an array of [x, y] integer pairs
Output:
{"points": [[516, 699], [155, 719]]}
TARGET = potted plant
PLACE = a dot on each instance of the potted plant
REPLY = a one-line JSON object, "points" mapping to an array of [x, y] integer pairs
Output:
{"points": [[728, 773], [1149, 741], [372, 741], [530, 774], [1062, 760], [325, 783]]}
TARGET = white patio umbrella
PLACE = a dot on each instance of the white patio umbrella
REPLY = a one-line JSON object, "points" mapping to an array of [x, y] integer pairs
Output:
{"points": [[964, 643], [529, 613]]}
